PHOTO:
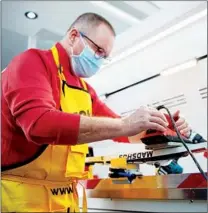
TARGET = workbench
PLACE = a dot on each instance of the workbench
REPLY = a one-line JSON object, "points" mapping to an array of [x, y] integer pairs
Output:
{"points": [[166, 193]]}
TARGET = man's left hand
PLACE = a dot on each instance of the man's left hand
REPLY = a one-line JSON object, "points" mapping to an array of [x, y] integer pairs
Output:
{"points": [[182, 125]]}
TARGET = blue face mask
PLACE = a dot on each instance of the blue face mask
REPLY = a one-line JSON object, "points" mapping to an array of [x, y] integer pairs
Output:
{"points": [[85, 64]]}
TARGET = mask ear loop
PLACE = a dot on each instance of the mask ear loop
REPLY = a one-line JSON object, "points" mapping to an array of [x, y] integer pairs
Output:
{"points": [[72, 52], [83, 42], [82, 39], [85, 46]]}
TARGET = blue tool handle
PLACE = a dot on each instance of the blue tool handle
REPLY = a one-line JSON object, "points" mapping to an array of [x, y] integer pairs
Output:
{"points": [[119, 174], [125, 174]]}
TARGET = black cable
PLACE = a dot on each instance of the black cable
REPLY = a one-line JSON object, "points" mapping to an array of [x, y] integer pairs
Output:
{"points": [[179, 135]]}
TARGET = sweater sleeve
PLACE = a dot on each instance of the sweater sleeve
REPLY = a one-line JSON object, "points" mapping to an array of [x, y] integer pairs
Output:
{"points": [[101, 109], [28, 93]]}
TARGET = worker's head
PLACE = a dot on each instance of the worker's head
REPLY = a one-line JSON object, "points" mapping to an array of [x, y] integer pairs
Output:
{"points": [[89, 42]]}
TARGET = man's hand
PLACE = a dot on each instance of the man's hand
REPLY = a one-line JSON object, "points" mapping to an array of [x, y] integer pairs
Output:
{"points": [[143, 119], [182, 125], [98, 128]]}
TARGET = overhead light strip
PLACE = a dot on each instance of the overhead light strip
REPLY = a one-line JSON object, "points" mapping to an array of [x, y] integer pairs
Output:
{"points": [[184, 66], [158, 37], [126, 17]]}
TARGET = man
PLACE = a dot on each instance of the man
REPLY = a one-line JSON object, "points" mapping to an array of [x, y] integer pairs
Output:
{"points": [[50, 114]]}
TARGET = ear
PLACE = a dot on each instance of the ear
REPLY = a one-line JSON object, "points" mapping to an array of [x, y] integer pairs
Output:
{"points": [[73, 34]]}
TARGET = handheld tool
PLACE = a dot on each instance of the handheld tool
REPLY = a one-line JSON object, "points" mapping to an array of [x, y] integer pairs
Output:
{"points": [[180, 138], [153, 137], [160, 148]]}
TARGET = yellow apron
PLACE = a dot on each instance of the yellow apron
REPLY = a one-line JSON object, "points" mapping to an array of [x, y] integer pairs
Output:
{"points": [[49, 183]]}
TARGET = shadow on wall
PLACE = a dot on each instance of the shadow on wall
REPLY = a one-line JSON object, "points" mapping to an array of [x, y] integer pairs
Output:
{"points": [[12, 44], [45, 44]]}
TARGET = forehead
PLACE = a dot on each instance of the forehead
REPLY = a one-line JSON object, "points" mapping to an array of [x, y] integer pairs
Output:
{"points": [[103, 37]]}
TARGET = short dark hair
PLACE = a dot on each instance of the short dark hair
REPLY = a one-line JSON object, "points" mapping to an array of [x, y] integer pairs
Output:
{"points": [[88, 21]]}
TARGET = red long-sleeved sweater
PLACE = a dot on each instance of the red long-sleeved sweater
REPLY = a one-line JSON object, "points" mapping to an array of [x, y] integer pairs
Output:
{"points": [[30, 106]]}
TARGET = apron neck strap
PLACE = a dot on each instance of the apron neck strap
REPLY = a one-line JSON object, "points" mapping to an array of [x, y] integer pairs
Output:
{"points": [[60, 68], [57, 62], [83, 84], [55, 56]]}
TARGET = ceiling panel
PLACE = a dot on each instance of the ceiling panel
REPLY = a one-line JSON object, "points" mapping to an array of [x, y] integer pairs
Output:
{"points": [[169, 4], [147, 7], [138, 13], [56, 16]]}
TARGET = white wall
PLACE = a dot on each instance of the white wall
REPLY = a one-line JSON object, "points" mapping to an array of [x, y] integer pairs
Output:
{"points": [[187, 82], [12, 44]]}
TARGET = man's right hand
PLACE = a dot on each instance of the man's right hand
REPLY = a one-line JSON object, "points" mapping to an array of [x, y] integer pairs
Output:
{"points": [[143, 119], [98, 128]]}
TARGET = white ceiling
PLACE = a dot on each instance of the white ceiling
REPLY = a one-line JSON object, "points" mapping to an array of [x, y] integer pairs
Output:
{"points": [[56, 16]]}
